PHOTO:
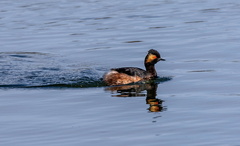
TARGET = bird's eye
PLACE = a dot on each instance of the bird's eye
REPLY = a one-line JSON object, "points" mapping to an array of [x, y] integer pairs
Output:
{"points": [[154, 57]]}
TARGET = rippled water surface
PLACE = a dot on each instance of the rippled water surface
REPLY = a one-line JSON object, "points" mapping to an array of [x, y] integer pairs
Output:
{"points": [[53, 55]]}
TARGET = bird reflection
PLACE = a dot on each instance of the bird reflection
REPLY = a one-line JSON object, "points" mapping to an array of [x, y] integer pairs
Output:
{"points": [[155, 104]]}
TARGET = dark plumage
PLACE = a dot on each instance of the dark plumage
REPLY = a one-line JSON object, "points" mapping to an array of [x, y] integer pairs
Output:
{"points": [[126, 75], [132, 71]]}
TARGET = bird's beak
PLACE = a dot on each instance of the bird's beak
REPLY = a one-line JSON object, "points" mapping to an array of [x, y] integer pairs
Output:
{"points": [[161, 59]]}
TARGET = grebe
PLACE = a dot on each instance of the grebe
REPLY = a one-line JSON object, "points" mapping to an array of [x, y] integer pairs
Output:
{"points": [[126, 75]]}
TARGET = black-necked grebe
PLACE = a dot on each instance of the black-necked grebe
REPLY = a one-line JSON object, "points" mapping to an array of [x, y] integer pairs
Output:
{"points": [[127, 75]]}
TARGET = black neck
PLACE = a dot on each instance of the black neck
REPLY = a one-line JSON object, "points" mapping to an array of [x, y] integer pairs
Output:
{"points": [[151, 69]]}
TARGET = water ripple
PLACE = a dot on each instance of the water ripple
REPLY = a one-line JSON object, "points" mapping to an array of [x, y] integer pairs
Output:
{"points": [[33, 69]]}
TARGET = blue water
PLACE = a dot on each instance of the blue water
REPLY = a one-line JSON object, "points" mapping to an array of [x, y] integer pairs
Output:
{"points": [[53, 55]]}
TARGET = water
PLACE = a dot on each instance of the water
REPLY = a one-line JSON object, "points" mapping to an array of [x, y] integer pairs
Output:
{"points": [[53, 55]]}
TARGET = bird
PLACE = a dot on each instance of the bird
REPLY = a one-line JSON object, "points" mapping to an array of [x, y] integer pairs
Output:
{"points": [[127, 75]]}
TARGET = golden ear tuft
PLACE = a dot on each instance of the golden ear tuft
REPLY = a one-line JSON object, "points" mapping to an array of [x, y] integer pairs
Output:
{"points": [[150, 58]]}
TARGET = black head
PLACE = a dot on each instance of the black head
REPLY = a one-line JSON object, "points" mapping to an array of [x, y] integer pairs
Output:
{"points": [[153, 57]]}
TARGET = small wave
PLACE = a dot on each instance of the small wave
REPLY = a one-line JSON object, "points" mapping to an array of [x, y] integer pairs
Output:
{"points": [[32, 69], [55, 82], [163, 79]]}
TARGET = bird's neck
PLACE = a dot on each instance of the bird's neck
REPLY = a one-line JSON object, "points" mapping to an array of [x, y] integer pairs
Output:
{"points": [[150, 68]]}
